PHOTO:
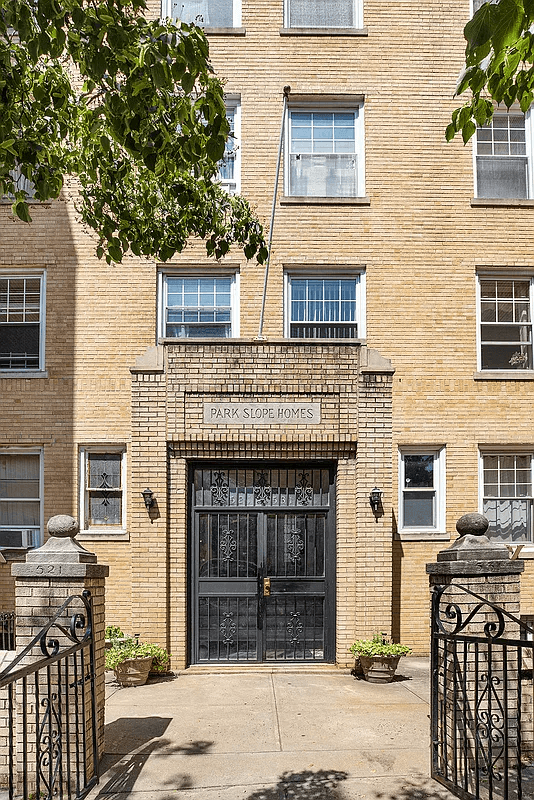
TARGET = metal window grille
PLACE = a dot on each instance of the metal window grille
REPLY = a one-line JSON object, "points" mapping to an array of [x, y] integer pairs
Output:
{"points": [[324, 308], [211, 13], [321, 13], [508, 496], [104, 489], [227, 165]]}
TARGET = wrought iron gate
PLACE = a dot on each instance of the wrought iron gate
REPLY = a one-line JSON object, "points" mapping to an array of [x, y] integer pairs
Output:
{"points": [[49, 747], [263, 563], [482, 698]]}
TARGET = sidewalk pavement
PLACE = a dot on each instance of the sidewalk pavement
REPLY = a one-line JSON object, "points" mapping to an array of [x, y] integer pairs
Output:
{"points": [[270, 734]]}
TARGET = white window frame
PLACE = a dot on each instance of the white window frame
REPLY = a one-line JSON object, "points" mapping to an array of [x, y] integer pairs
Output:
{"points": [[166, 12], [328, 106], [357, 17], [101, 530], [233, 102], [439, 489], [507, 451], [29, 275], [31, 538], [529, 155], [327, 272], [512, 275], [193, 272]]}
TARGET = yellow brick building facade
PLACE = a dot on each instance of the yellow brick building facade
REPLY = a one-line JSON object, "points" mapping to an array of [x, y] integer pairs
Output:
{"points": [[415, 237]]}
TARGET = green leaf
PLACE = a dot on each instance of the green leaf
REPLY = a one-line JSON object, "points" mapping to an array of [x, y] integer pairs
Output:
{"points": [[468, 130], [22, 211]]}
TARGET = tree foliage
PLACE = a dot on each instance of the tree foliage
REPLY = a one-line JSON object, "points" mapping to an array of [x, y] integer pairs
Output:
{"points": [[499, 63], [132, 108]]}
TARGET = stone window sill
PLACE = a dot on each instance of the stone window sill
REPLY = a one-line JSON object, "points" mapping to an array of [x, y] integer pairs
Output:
{"points": [[505, 375], [324, 32], [498, 202], [23, 374], [423, 536], [325, 201], [225, 31], [103, 536]]}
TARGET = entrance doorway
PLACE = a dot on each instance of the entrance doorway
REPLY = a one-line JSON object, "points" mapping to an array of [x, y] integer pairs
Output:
{"points": [[263, 563]]}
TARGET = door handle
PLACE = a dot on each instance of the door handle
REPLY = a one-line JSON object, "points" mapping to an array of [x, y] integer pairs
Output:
{"points": [[266, 587]]}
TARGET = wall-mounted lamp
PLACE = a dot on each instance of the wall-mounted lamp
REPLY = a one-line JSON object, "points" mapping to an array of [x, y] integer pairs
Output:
{"points": [[148, 497], [375, 499]]}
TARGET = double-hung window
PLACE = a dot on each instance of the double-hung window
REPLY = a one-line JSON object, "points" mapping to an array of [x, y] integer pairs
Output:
{"points": [[198, 306], [323, 13], [325, 308], [325, 152], [507, 495], [422, 489], [230, 165], [21, 492], [503, 157], [206, 13], [21, 322], [102, 489], [505, 330]]}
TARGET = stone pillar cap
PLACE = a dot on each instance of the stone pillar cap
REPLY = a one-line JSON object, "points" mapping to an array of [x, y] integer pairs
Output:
{"points": [[473, 544], [61, 548]]}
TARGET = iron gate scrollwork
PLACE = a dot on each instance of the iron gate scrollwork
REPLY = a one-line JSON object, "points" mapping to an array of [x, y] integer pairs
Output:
{"points": [[48, 698], [482, 713]]}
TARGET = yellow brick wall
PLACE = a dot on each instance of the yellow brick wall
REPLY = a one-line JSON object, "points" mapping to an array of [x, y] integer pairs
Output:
{"points": [[420, 241]]}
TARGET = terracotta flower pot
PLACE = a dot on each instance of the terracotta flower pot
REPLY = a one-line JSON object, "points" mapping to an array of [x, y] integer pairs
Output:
{"points": [[379, 669], [133, 671]]}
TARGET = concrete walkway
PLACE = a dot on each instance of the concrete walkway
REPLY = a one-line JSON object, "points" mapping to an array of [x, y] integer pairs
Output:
{"points": [[292, 734]]}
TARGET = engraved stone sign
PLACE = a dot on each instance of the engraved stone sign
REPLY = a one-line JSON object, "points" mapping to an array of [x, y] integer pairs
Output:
{"points": [[262, 413]]}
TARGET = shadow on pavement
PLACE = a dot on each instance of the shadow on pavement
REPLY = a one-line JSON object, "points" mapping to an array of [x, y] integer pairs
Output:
{"points": [[307, 785]]}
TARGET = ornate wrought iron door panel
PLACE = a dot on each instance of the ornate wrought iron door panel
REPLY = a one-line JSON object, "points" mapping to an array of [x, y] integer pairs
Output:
{"points": [[263, 543]]}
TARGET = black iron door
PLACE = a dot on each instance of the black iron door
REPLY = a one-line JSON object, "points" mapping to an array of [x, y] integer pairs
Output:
{"points": [[263, 563]]}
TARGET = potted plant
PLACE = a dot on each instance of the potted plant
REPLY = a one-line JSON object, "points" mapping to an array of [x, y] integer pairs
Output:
{"points": [[130, 661], [378, 658]]}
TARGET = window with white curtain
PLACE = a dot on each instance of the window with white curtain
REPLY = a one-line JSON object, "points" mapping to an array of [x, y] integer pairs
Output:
{"points": [[21, 322], [325, 153], [323, 13], [325, 308], [507, 495], [505, 328], [21, 494], [503, 155], [422, 489], [102, 482], [205, 13]]}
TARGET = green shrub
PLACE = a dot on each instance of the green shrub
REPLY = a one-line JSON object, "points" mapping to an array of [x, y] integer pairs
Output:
{"points": [[378, 646], [113, 632]]}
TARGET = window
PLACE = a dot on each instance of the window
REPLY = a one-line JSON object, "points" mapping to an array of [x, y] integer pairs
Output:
{"points": [[478, 3], [230, 165], [422, 489], [20, 499], [21, 183], [103, 497], [325, 153], [323, 13], [21, 322], [507, 495], [199, 307], [207, 13], [505, 323], [325, 308], [503, 154]]}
